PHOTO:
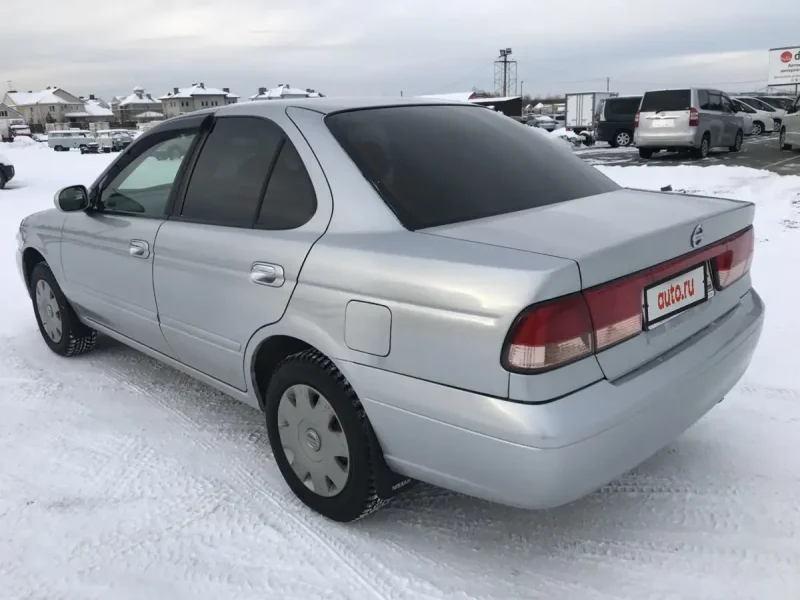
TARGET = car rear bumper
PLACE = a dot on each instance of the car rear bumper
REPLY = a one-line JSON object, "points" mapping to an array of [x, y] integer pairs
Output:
{"points": [[672, 139], [546, 455]]}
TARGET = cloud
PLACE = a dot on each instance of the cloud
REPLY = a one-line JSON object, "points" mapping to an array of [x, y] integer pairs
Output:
{"points": [[418, 46]]}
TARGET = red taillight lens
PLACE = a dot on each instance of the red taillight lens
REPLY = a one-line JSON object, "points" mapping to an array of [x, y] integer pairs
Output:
{"points": [[735, 260], [550, 335], [694, 118], [616, 309], [636, 120]]}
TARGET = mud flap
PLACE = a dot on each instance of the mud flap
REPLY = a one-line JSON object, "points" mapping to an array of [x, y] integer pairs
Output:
{"points": [[387, 483]]}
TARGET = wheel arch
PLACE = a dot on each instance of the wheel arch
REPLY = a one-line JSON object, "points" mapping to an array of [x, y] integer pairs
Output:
{"points": [[30, 258]]}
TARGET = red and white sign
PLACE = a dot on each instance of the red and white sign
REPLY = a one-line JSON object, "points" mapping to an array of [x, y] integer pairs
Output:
{"points": [[784, 66], [672, 296]]}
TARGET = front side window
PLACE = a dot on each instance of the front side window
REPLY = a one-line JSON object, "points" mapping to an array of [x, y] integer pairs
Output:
{"points": [[436, 165], [144, 186], [229, 178]]}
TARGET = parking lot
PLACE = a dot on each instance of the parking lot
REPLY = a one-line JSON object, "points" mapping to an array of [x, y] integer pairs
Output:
{"points": [[757, 153]]}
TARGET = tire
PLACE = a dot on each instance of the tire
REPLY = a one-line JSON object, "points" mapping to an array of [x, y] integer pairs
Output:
{"points": [[58, 148], [705, 146], [782, 140], [75, 338], [3, 180], [622, 138], [645, 153], [356, 495], [83, 151], [758, 128], [737, 142]]}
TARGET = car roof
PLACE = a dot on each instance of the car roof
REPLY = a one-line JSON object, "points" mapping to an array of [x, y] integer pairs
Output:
{"points": [[328, 105]]}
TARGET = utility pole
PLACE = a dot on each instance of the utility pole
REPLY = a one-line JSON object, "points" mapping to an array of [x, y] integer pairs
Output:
{"points": [[608, 84]]}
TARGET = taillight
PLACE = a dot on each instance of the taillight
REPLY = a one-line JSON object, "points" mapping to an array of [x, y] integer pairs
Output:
{"points": [[550, 335], [636, 120], [735, 260], [557, 332], [694, 118], [616, 309]]}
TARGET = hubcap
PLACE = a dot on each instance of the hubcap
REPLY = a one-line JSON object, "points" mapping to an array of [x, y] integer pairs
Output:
{"points": [[49, 312], [757, 129], [623, 139], [313, 440]]}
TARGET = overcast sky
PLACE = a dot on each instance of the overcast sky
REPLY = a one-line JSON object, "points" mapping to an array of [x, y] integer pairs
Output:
{"points": [[380, 47]]}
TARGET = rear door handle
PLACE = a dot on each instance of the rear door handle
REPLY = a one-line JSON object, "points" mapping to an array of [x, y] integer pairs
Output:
{"points": [[139, 249], [267, 274]]}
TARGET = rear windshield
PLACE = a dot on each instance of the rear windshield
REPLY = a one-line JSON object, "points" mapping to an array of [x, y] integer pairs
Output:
{"points": [[436, 165], [759, 104], [620, 107], [667, 100], [783, 103]]}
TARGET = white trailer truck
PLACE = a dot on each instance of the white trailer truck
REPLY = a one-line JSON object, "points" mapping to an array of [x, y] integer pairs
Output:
{"points": [[582, 109]]}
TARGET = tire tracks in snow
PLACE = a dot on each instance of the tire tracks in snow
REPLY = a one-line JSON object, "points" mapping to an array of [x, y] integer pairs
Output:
{"points": [[253, 490]]}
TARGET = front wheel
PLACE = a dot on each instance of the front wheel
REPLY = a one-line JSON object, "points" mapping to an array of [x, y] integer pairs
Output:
{"points": [[319, 435], [3, 180], [60, 327], [645, 153], [782, 140], [758, 129], [737, 142]]}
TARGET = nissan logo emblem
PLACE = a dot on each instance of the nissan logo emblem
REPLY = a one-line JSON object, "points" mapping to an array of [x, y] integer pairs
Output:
{"points": [[697, 236]]}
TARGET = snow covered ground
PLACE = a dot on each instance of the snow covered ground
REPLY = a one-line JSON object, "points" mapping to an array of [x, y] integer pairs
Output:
{"points": [[121, 478]]}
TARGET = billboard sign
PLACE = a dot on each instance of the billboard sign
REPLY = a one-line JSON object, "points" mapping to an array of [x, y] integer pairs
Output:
{"points": [[784, 66]]}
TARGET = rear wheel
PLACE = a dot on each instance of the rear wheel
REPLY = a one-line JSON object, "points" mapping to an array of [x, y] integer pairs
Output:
{"points": [[319, 435], [705, 146], [782, 140], [59, 325], [622, 138], [58, 148], [737, 142], [645, 153]]}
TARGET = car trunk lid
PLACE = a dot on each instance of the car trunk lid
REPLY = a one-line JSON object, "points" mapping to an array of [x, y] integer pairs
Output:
{"points": [[615, 235]]}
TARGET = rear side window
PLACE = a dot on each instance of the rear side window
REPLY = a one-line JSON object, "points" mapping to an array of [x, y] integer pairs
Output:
{"points": [[435, 165], [713, 101], [230, 175], [665, 100], [622, 107], [290, 200]]}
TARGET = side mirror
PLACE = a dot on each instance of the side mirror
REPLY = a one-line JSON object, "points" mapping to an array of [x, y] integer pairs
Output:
{"points": [[72, 198]]}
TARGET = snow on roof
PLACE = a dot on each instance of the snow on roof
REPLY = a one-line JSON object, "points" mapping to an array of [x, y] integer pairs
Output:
{"points": [[48, 96], [284, 91], [77, 114], [138, 97], [197, 89], [95, 108], [150, 114], [455, 97]]}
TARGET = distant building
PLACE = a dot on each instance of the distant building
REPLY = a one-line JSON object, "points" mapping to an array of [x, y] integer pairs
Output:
{"points": [[93, 110], [6, 112], [128, 108], [196, 97], [51, 105], [284, 91]]}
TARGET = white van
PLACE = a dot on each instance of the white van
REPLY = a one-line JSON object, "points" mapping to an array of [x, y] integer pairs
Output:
{"points": [[104, 137], [71, 138]]}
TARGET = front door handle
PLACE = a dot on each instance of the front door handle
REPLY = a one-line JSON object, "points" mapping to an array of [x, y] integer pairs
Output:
{"points": [[267, 274], [139, 249]]}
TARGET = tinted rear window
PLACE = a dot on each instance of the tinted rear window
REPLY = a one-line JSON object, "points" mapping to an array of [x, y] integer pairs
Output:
{"points": [[622, 107], [435, 165], [667, 100]]}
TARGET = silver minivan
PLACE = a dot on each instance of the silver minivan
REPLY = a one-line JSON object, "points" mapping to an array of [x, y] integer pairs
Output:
{"points": [[694, 119]]}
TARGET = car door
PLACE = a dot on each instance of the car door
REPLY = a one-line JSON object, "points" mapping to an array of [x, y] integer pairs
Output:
{"points": [[107, 251], [792, 123], [228, 259], [747, 115]]}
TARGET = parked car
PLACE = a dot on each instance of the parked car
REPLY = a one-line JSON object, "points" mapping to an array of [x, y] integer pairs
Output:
{"points": [[790, 128], [775, 113], [779, 102], [68, 139], [616, 119], [474, 321], [545, 122], [106, 137], [91, 147], [120, 141], [39, 137], [6, 171], [756, 121], [694, 119]]}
